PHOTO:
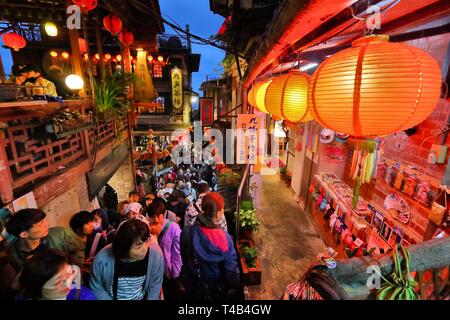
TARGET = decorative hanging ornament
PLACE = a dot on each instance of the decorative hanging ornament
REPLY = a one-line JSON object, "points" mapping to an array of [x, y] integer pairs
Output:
{"points": [[287, 97], [14, 41], [126, 37], [85, 5], [375, 88], [257, 95], [113, 24]]}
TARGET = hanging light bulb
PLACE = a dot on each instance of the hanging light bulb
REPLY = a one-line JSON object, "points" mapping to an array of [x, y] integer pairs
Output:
{"points": [[86, 56], [119, 57], [107, 57], [160, 58], [53, 54], [97, 56], [65, 55], [51, 29], [150, 58]]}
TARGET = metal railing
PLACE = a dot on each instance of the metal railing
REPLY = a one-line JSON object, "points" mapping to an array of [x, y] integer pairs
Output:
{"points": [[242, 193]]}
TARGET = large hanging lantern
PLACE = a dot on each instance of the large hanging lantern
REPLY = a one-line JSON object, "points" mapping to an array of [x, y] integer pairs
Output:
{"points": [[86, 5], [14, 41], [126, 37], [257, 95], [375, 88], [287, 97], [113, 24]]}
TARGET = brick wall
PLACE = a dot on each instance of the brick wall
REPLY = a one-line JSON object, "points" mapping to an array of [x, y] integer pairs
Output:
{"points": [[123, 180]]}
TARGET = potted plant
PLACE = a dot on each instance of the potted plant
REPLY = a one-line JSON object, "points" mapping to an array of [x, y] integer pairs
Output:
{"points": [[250, 263], [248, 222], [283, 171], [288, 178]]}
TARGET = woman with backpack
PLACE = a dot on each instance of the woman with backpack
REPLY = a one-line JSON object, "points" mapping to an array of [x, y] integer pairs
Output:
{"points": [[210, 262]]}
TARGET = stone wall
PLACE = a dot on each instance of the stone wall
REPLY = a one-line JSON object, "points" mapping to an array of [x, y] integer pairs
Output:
{"points": [[123, 180]]}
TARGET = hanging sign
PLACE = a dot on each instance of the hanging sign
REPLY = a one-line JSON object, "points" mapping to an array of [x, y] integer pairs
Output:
{"points": [[247, 140], [206, 111], [144, 90], [177, 89]]}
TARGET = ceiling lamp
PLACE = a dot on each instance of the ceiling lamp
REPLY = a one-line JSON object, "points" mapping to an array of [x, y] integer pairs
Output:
{"points": [[86, 5], [119, 57], [160, 58], [14, 41], [51, 29], [53, 54], [126, 37], [256, 96], [375, 88], [113, 24], [150, 58], [287, 97], [107, 57], [65, 55]]}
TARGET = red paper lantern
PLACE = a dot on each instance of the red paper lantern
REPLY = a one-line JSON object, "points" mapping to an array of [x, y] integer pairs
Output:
{"points": [[14, 41], [113, 24], [126, 37], [86, 5], [83, 46]]}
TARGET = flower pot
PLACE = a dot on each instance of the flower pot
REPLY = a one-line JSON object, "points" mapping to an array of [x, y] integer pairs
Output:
{"points": [[252, 276], [246, 234]]}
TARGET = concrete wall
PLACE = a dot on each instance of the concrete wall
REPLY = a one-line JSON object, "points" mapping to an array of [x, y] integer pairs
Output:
{"points": [[123, 180]]}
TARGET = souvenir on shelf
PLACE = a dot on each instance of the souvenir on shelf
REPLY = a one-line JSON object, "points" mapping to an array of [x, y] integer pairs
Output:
{"points": [[423, 193], [397, 207], [396, 237], [398, 181], [410, 185], [381, 170]]}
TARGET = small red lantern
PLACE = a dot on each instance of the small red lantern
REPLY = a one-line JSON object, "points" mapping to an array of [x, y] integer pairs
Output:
{"points": [[83, 46], [86, 5], [113, 24], [126, 37], [14, 41]]}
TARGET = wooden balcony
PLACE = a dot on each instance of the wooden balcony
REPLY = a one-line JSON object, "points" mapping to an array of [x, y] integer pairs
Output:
{"points": [[29, 155]]}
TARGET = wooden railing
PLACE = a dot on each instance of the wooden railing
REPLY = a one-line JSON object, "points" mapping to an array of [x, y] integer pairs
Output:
{"points": [[32, 154], [429, 265]]}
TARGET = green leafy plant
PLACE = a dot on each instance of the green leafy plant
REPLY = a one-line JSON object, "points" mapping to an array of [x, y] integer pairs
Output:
{"points": [[230, 178], [401, 285], [110, 94], [248, 220], [283, 170], [247, 205], [249, 254]]}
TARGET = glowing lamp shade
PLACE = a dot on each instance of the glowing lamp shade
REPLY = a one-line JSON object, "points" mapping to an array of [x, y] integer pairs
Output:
{"points": [[65, 55], [160, 58], [287, 97], [113, 24], [150, 58], [375, 88], [74, 82], [107, 57], [119, 57], [83, 45], [86, 5], [126, 37], [257, 95], [53, 54], [14, 41], [51, 29], [97, 56]]}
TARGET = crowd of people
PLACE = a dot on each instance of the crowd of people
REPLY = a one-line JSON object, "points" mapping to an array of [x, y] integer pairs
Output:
{"points": [[171, 244]]}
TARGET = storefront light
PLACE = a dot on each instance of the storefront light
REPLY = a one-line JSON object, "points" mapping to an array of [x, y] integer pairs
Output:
{"points": [[107, 57], [65, 55], [119, 57], [160, 58], [53, 54], [74, 82]]}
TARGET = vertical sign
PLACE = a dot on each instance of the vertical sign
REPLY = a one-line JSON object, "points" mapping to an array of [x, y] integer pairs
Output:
{"points": [[206, 111], [177, 89], [247, 140], [144, 90]]}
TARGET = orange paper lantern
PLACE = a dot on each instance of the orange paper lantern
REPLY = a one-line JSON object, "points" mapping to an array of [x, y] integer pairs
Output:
{"points": [[113, 24], [257, 95], [86, 5], [375, 88], [14, 41], [126, 37], [83, 45], [287, 97]]}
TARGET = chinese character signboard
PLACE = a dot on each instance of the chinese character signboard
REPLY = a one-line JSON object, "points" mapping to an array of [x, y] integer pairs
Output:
{"points": [[144, 90], [177, 89], [247, 140], [206, 111]]}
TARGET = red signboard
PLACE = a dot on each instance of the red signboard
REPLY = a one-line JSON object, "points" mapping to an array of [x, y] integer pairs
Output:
{"points": [[206, 111]]}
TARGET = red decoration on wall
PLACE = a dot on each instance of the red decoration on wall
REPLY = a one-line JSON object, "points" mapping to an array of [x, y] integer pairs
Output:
{"points": [[113, 24], [126, 37], [206, 111], [86, 5], [14, 41]]}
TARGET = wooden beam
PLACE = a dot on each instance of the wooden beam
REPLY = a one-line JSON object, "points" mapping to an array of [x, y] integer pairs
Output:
{"points": [[76, 57], [101, 62]]}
